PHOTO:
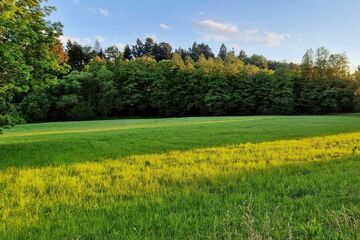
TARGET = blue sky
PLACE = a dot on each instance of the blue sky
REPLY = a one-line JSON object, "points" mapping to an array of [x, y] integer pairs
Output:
{"points": [[278, 29]]}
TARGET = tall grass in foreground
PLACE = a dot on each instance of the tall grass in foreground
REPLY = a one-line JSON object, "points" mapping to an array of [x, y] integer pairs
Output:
{"points": [[51, 201]]}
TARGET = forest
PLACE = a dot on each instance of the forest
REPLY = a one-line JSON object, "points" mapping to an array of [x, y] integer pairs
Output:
{"points": [[43, 80]]}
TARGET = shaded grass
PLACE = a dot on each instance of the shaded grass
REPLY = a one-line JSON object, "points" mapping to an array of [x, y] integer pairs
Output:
{"points": [[306, 189], [54, 144]]}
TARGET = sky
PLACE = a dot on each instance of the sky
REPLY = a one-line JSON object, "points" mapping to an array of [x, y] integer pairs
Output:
{"points": [[278, 29]]}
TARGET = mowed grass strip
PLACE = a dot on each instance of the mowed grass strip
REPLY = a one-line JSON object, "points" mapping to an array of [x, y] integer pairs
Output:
{"points": [[160, 124], [45, 202]]}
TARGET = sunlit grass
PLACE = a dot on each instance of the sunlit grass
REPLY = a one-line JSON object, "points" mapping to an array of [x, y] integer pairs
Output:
{"points": [[118, 128], [29, 196], [57, 144]]}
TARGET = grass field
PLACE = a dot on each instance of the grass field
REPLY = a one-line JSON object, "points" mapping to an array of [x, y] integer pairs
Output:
{"points": [[266, 177]]}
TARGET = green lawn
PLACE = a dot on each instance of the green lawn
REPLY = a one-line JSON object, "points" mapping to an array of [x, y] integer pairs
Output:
{"points": [[36, 145], [268, 177]]}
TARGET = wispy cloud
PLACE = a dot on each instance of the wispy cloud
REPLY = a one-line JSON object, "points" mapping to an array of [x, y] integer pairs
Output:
{"points": [[100, 11], [212, 30], [164, 26], [77, 1], [104, 12]]}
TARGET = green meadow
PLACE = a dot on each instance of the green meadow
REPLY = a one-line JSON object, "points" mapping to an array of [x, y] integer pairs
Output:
{"points": [[261, 177]]}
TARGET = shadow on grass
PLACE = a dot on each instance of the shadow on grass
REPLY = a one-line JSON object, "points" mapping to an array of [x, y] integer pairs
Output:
{"points": [[59, 151]]}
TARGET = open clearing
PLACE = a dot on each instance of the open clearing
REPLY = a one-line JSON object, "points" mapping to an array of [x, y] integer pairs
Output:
{"points": [[186, 178]]}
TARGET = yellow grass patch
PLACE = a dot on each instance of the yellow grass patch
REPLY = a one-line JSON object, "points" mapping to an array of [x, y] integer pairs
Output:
{"points": [[27, 193]]}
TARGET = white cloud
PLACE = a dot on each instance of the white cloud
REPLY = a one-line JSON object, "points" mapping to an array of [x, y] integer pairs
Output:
{"points": [[76, 1], [212, 30], [104, 12], [217, 27], [273, 39], [164, 26]]}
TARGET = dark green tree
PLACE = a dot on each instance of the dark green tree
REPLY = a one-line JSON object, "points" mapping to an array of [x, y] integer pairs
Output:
{"points": [[218, 99], [77, 57], [149, 47], [307, 65], [223, 52], [197, 49], [282, 92], [162, 51], [242, 55], [257, 60], [127, 53], [321, 63], [138, 50], [183, 53]]}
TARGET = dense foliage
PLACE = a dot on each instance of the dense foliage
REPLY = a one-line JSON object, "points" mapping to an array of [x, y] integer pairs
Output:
{"points": [[107, 85], [30, 54], [40, 81]]}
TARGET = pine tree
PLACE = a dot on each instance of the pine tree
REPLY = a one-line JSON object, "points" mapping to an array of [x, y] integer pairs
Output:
{"points": [[149, 47], [321, 62], [307, 65], [76, 55], [223, 52], [242, 55], [162, 51], [138, 50], [127, 53]]}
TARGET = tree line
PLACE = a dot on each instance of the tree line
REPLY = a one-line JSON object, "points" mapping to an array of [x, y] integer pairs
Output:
{"points": [[40, 80]]}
